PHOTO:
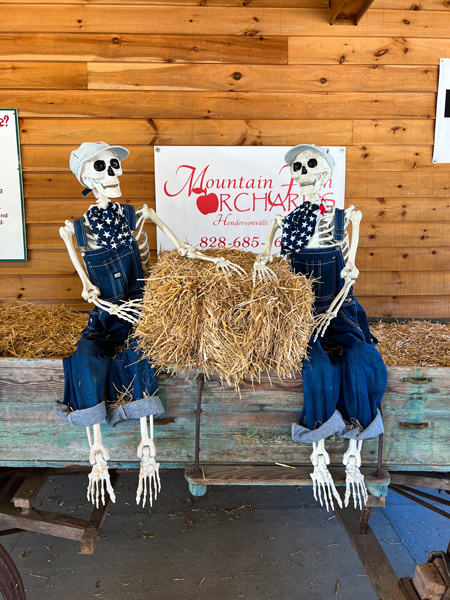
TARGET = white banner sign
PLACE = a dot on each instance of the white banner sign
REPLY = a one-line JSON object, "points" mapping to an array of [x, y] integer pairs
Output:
{"points": [[12, 226], [441, 152], [226, 196]]}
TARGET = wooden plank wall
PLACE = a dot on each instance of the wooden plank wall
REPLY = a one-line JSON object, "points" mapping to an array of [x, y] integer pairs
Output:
{"points": [[232, 72]]}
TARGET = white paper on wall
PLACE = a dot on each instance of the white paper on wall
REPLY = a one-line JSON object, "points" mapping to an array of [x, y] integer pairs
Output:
{"points": [[12, 227], [226, 196], [441, 153]]}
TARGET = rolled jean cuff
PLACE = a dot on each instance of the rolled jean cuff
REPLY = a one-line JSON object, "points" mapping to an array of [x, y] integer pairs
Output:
{"points": [[151, 405], [373, 430], [83, 417], [335, 424]]}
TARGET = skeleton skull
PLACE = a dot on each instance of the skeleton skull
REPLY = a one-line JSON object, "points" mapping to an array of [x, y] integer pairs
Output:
{"points": [[311, 171], [102, 173]]}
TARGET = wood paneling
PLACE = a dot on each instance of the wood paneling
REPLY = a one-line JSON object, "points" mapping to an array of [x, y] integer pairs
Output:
{"points": [[43, 75], [264, 78], [201, 20], [146, 48], [222, 105], [395, 50], [178, 132], [273, 72]]}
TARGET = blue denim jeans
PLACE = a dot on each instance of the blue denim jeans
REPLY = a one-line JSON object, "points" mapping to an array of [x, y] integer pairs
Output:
{"points": [[344, 376], [101, 368]]}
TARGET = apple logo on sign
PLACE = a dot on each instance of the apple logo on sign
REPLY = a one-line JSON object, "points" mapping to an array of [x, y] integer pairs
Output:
{"points": [[206, 203]]}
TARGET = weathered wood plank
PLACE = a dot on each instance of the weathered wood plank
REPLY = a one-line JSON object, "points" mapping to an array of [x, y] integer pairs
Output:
{"points": [[238, 105], [43, 75], [30, 488], [254, 427], [234, 21], [398, 132], [147, 48], [347, 50], [375, 562], [266, 78], [184, 132]]}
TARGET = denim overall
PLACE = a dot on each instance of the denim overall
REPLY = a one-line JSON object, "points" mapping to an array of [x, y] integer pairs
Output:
{"points": [[344, 376], [95, 373]]}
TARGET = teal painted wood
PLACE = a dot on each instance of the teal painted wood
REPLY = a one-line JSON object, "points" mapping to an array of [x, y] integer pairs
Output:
{"points": [[253, 428], [197, 490]]}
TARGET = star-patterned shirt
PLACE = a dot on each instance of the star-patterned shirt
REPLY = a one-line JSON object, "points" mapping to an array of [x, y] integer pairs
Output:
{"points": [[299, 227], [109, 226]]}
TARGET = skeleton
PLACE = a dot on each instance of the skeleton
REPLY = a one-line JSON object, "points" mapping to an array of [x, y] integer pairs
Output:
{"points": [[100, 174], [311, 170]]}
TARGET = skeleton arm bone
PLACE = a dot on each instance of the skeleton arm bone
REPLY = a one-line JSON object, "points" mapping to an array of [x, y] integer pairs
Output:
{"points": [[90, 292], [260, 269], [185, 249], [349, 273]]}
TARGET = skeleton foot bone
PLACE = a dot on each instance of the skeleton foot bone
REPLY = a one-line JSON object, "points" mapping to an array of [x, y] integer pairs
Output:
{"points": [[146, 451], [149, 470], [321, 477], [99, 476], [354, 479]]}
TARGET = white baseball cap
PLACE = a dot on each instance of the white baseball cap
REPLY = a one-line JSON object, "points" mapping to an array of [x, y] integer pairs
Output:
{"points": [[88, 151], [290, 155]]}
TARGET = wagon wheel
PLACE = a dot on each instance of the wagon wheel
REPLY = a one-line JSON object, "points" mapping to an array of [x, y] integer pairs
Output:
{"points": [[11, 585]]}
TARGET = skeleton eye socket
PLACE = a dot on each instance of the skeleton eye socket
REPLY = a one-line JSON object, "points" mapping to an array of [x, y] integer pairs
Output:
{"points": [[115, 164], [297, 166], [312, 162], [99, 165]]}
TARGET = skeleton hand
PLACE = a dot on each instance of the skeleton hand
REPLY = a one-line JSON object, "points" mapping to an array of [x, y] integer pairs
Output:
{"points": [[354, 479], [90, 293], [226, 266], [149, 470], [261, 272], [128, 311], [321, 476], [98, 478], [321, 323]]}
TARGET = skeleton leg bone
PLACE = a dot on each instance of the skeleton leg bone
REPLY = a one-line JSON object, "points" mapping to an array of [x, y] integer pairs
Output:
{"points": [[321, 477], [146, 451], [99, 476], [354, 479]]}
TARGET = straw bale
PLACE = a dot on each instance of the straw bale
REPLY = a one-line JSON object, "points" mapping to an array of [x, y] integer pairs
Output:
{"points": [[194, 318], [30, 330], [414, 343]]}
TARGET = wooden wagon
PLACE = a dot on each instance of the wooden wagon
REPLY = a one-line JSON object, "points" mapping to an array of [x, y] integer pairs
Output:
{"points": [[219, 437]]}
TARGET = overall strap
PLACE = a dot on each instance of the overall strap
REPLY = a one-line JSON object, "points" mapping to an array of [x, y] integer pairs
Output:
{"points": [[339, 231], [130, 216], [80, 232]]}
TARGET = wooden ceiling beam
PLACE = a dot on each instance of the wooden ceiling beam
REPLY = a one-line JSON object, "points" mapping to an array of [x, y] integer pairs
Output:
{"points": [[348, 12]]}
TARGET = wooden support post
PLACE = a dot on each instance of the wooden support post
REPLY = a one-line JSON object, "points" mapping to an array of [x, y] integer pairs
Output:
{"points": [[86, 532], [30, 488], [375, 562]]}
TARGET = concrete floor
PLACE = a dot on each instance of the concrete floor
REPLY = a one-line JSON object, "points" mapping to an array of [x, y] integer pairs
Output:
{"points": [[256, 543]]}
